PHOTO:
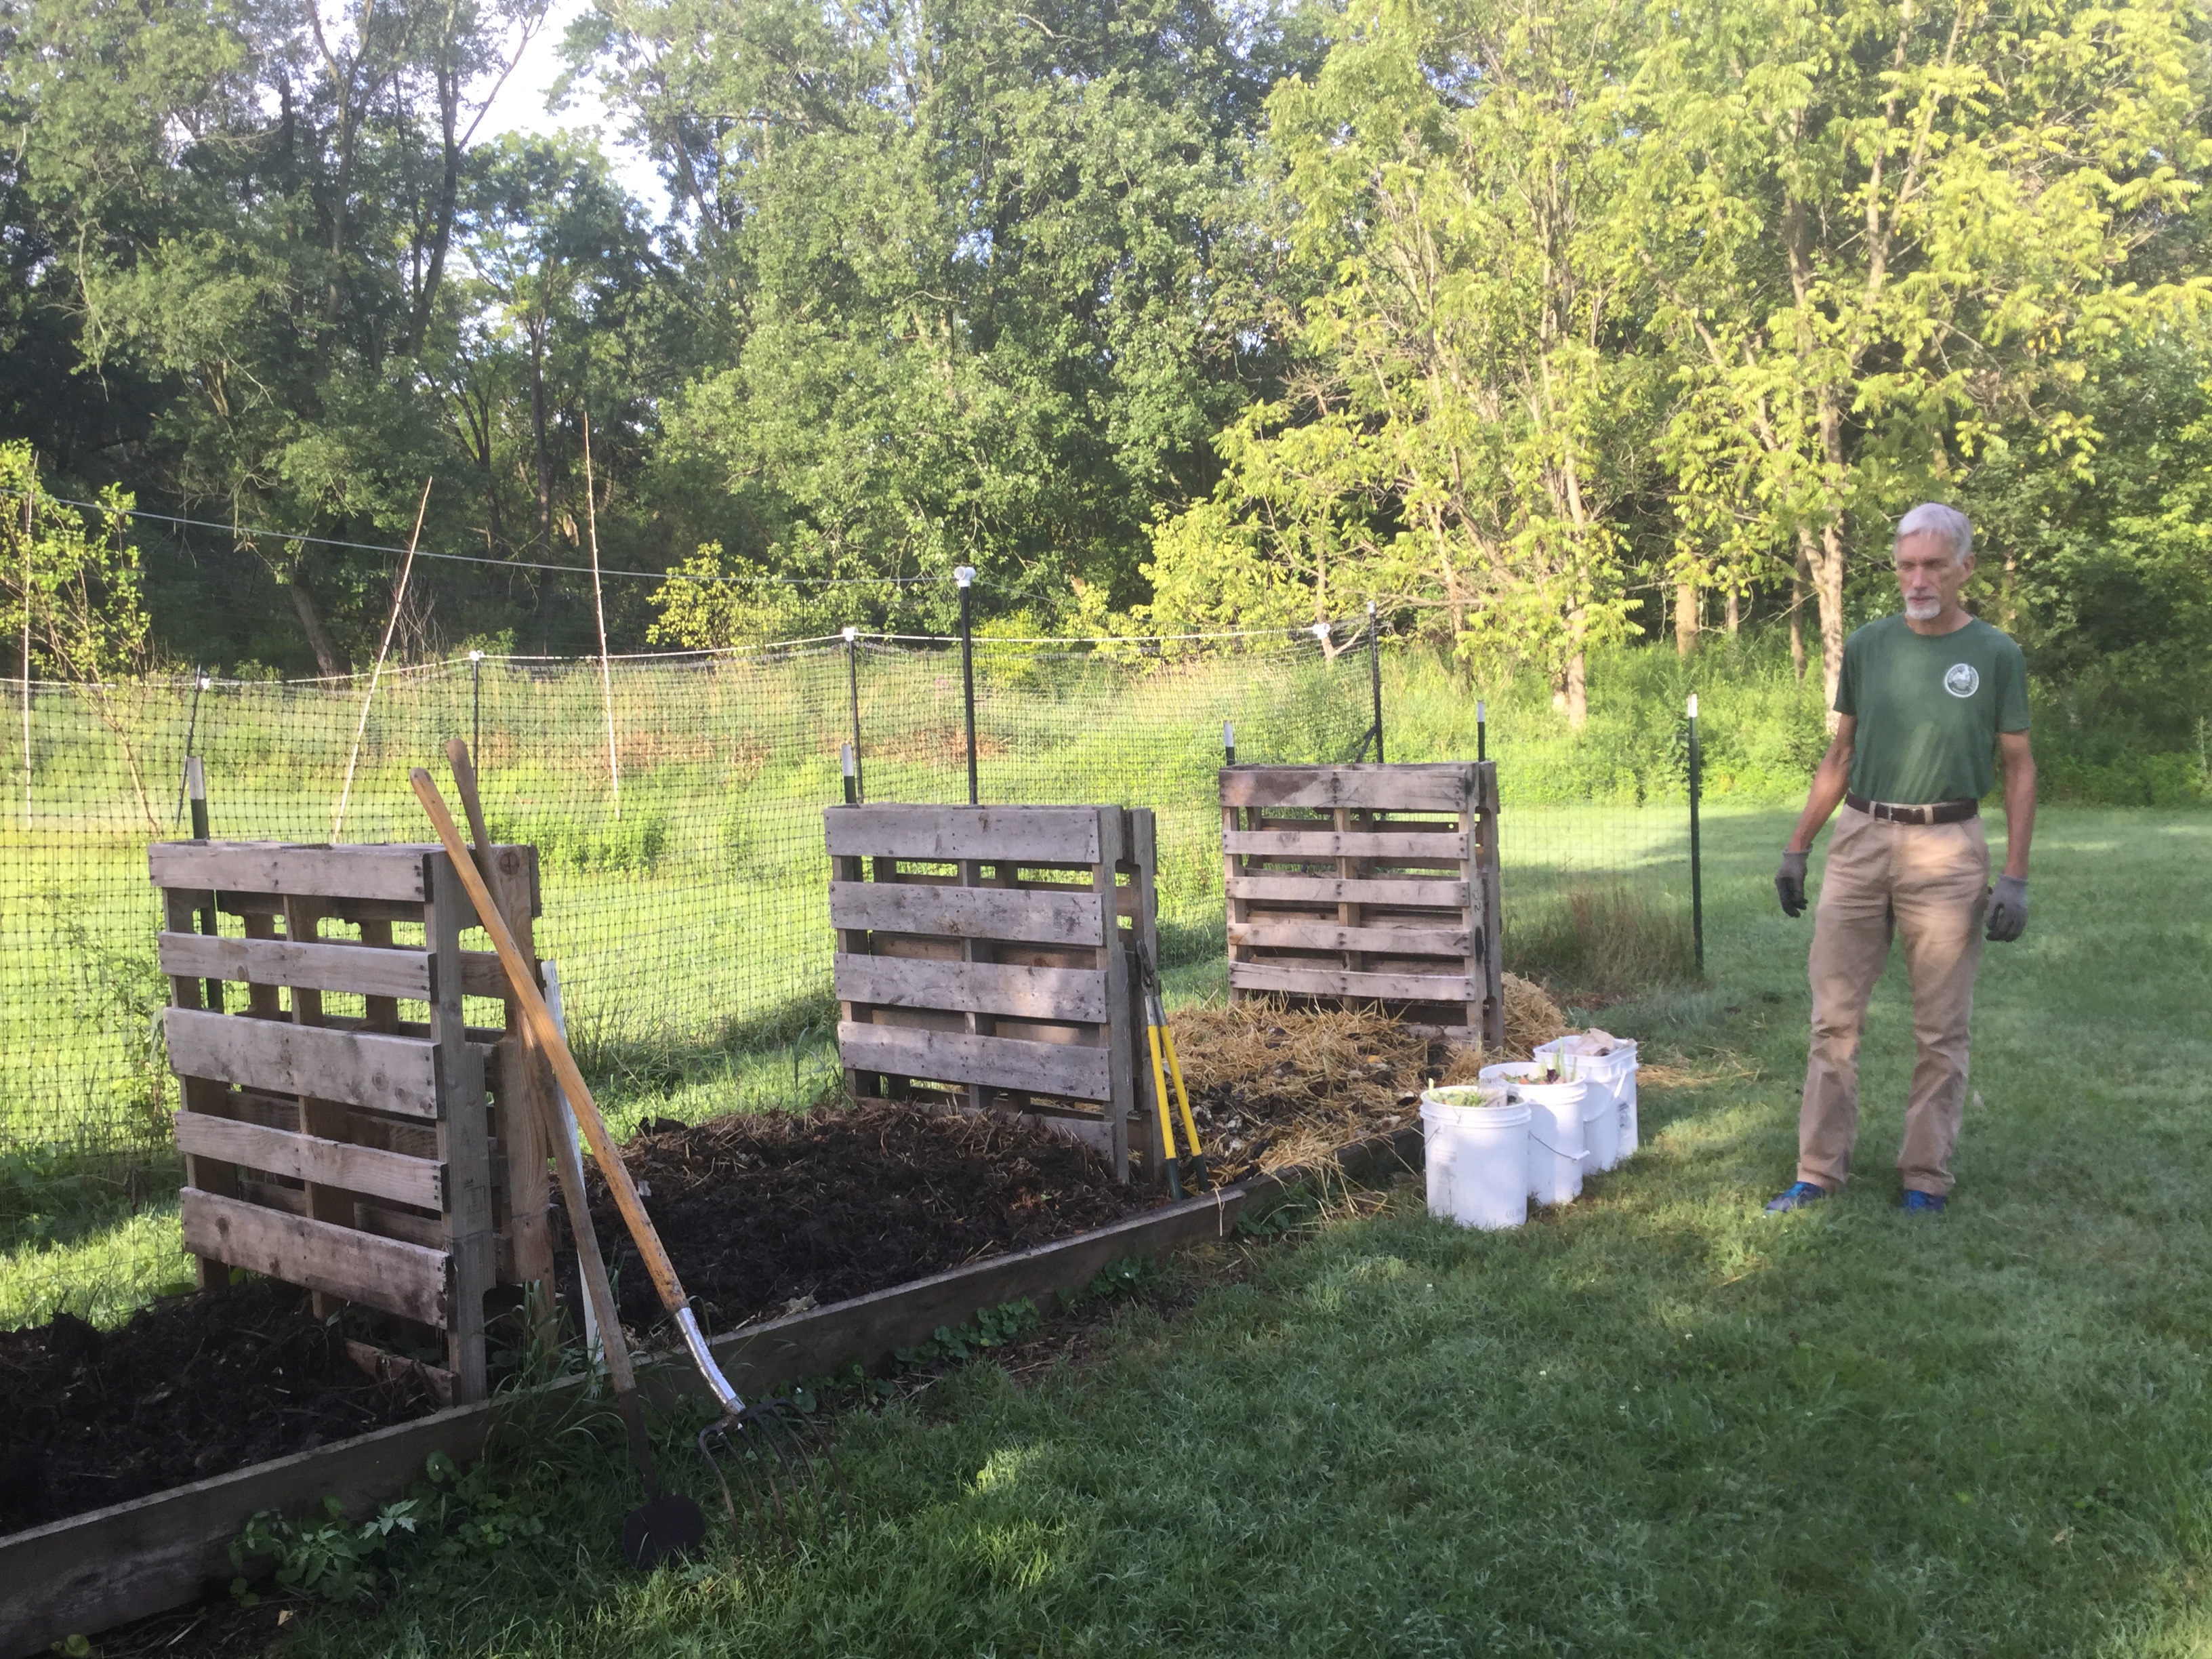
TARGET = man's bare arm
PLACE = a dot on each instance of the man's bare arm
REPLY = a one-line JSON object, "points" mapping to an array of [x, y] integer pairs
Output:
{"points": [[1830, 779], [2019, 800]]}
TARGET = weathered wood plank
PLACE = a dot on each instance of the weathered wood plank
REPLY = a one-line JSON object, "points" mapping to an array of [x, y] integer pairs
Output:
{"points": [[310, 1157], [1444, 787], [366, 971], [1357, 987], [1262, 935], [984, 987], [238, 866], [401, 1278], [360, 1068], [966, 912], [1024, 834], [1052, 1068], [1356, 844], [1334, 889]]}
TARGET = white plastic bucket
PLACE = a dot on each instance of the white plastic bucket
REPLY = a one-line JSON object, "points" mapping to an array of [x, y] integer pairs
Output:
{"points": [[1477, 1157], [1616, 1073], [1601, 1128], [1555, 1130]]}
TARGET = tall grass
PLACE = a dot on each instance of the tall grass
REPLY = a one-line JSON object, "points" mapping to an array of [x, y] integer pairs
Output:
{"points": [[1601, 940]]}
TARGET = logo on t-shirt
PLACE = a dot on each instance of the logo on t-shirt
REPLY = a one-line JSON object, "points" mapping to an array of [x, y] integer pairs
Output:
{"points": [[1963, 680]]}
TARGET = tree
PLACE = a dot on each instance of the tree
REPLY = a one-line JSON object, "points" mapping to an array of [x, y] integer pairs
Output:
{"points": [[977, 269], [70, 590], [1880, 231], [1464, 425]]}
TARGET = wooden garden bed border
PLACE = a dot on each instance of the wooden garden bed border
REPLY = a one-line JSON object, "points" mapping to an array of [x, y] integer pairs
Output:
{"points": [[90, 1572]]}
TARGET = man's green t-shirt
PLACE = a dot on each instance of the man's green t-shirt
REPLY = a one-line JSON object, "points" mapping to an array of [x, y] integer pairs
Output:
{"points": [[1929, 708]]}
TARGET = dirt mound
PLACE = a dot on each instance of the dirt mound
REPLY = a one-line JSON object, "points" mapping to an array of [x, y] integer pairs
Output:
{"points": [[186, 1389], [763, 1212]]}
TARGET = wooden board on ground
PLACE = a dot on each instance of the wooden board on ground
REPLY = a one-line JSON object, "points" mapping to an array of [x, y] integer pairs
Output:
{"points": [[88, 1573]]}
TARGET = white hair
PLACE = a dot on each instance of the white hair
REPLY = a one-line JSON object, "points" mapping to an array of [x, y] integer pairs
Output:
{"points": [[1947, 524]]}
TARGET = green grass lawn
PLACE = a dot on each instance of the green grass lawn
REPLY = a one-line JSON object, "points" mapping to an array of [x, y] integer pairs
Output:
{"points": [[1655, 1423]]}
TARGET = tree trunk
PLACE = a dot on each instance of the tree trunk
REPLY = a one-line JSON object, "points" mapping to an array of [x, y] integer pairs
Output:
{"points": [[1688, 604], [1735, 612], [449, 186], [328, 662], [2008, 592], [1800, 576], [1570, 693], [1829, 589], [538, 419]]}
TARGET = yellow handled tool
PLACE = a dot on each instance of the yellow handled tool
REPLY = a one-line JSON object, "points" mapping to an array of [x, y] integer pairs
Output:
{"points": [[1157, 1034]]}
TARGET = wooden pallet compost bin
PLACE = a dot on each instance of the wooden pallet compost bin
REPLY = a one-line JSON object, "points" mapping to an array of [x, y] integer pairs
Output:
{"points": [[1367, 885], [984, 960], [343, 1129]]}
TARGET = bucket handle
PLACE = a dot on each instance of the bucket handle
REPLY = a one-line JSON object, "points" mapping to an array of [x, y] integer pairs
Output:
{"points": [[1554, 1150]]}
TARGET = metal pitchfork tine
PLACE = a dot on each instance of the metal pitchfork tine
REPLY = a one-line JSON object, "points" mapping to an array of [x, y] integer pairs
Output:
{"points": [[737, 1415]]}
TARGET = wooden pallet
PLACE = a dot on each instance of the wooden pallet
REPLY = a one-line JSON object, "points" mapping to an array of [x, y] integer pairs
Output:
{"points": [[1367, 885], [396, 1162], [984, 959]]}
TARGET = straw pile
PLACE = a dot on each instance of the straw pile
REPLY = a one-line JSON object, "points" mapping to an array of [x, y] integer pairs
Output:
{"points": [[1271, 1087]]}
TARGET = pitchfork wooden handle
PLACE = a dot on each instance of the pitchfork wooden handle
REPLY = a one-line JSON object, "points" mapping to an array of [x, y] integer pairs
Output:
{"points": [[523, 984]]}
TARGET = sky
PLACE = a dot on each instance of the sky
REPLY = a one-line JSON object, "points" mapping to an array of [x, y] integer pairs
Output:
{"points": [[521, 107]]}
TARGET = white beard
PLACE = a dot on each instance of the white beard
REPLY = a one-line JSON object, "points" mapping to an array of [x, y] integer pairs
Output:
{"points": [[1924, 610]]}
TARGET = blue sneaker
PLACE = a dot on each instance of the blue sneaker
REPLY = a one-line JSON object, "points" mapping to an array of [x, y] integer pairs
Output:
{"points": [[1920, 1203], [1800, 1193]]}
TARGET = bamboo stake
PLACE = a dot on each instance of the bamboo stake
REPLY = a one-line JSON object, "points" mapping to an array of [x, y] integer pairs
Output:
{"points": [[398, 598], [598, 606]]}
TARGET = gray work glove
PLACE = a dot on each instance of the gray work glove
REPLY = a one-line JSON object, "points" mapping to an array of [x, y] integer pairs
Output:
{"points": [[1790, 883], [2007, 909]]}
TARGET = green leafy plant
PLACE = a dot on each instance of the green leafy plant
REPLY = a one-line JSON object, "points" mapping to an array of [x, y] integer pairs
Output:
{"points": [[455, 1514], [327, 1557], [1130, 1276], [993, 1328]]}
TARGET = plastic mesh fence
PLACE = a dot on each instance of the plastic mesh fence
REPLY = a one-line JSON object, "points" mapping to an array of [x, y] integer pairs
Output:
{"points": [[684, 875]]}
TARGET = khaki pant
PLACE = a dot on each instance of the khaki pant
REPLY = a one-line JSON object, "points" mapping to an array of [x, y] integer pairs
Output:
{"points": [[1927, 885]]}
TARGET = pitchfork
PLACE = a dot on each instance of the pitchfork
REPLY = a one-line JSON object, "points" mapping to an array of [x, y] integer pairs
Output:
{"points": [[774, 1450]]}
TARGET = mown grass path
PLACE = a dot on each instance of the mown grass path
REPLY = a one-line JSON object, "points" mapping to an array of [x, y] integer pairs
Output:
{"points": [[1655, 1423]]}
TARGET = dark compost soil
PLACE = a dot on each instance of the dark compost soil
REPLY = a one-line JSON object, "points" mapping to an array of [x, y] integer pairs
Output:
{"points": [[764, 1213], [185, 1389]]}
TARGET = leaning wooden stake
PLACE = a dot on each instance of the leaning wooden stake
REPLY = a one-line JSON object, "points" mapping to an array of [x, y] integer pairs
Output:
{"points": [[616, 1174]]}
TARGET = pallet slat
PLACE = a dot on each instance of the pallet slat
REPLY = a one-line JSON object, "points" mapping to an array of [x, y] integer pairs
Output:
{"points": [[1069, 993], [1263, 933], [1351, 844], [1025, 834], [1445, 787], [401, 1278], [966, 912], [1355, 986], [1332, 890], [360, 1068], [1053, 1068], [375, 873], [366, 1169], [365, 971]]}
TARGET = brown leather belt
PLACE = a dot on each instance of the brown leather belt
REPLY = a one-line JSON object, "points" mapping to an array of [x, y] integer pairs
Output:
{"points": [[1943, 812]]}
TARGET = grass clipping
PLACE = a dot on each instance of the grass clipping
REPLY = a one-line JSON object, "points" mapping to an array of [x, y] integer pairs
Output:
{"points": [[1273, 1087]]}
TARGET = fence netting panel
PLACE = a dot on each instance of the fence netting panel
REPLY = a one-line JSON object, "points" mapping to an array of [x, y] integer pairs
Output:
{"points": [[683, 872]]}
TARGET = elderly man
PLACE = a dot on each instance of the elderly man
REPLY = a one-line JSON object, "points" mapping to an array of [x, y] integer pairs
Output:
{"points": [[1923, 700]]}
